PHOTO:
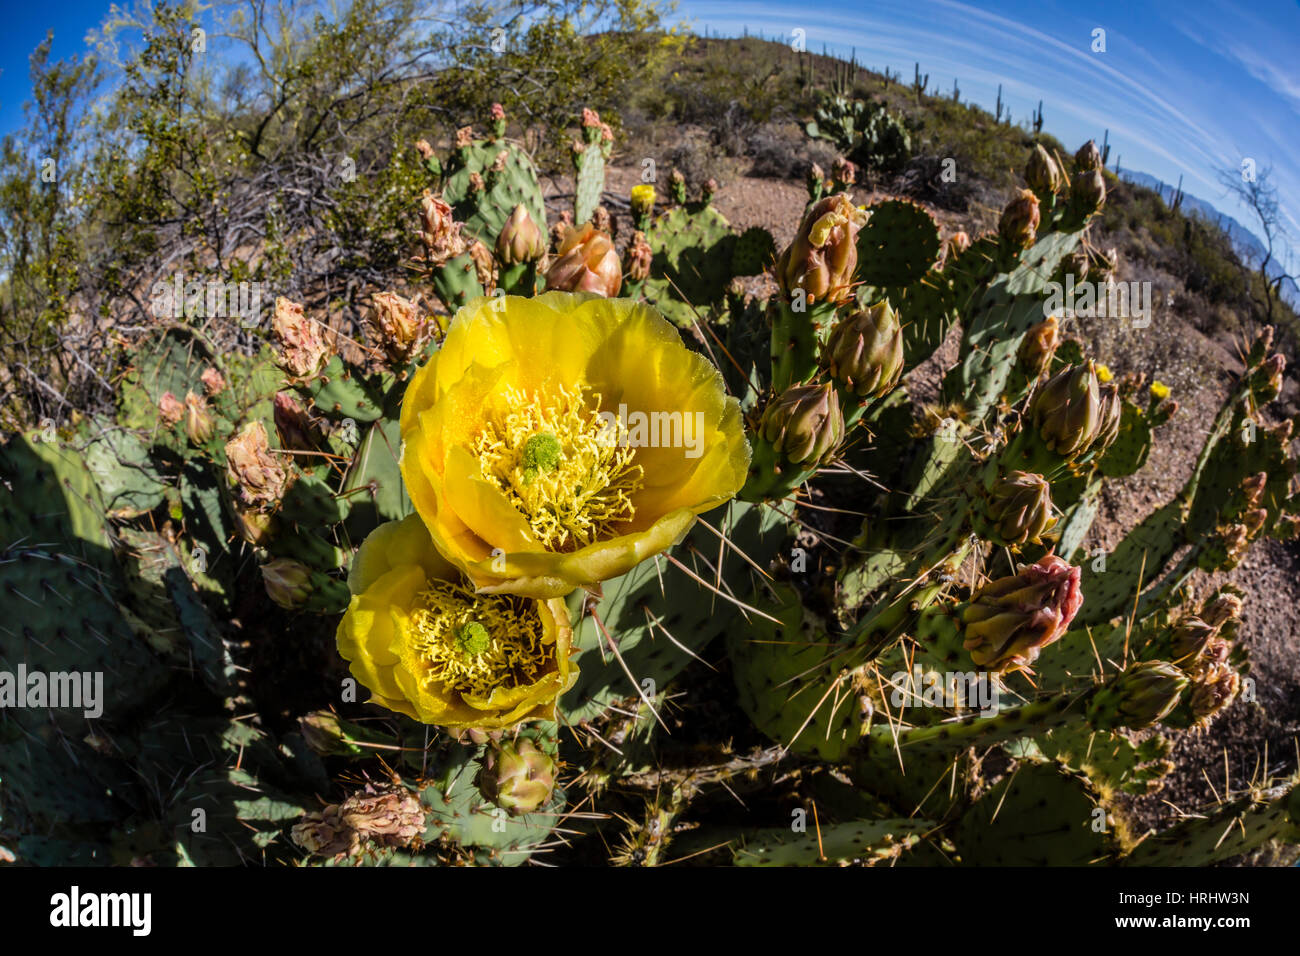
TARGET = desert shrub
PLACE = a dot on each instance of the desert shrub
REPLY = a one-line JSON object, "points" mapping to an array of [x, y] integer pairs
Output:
{"points": [[785, 152]]}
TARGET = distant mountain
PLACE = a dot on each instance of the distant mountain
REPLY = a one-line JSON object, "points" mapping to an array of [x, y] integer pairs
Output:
{"points": [[1247, 244]]}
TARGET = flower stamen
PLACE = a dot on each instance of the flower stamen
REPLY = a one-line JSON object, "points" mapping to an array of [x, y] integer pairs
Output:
{"points": [[563, 465], [474, 644]]}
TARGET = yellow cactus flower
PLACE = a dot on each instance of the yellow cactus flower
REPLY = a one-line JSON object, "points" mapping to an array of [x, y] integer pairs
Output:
{"points": [[417, 636], [556, 442], [1159, 390], [1104, 374], [643, 198]]}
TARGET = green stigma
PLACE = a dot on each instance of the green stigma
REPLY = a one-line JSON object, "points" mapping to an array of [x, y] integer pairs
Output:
{"points": [[541, 453], [472, 638]]}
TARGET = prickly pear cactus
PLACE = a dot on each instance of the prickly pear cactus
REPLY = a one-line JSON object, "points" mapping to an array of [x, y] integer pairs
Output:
{"points": [[530, 627]]}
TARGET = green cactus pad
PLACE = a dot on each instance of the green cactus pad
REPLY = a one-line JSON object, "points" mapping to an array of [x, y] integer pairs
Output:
{"points": [[898, 245], [656, 599], [753, 253], [1128, 453], [1037, 817], [693, 250], [373, 487], [484, 213], [835, 844], [589, 182]]}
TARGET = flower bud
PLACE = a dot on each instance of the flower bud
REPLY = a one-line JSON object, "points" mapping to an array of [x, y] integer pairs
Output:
{"points": [[1140, 696], [805, 424], [1019, 509], [170, 409], [1266, 381], [677, 187], [517, 776], [865, 351], [1236, 538], [497, 121], [560, 228], [709, 190], [1041, 172], [427, 156], [637, 258], [1163, 412], [1286, 527], [199, 424], [1213, 692], [1215, 653], [396, 325], [1252, 486], [957, 243], [440, 234], [824, 253], [1010, 620], [484, 266], [642, 203], [255, 527], [816, 182], [1260, 348], [303, 350], [1038, 347], [287, 582], [213, 381], [1110, 411], [586, 262], [844, 173], [478, 735], [1066, 411], [324, 733], [520, 239], [1222, 608], [1189, 639], [249, 463], [1088, 189], [1019, 223], [295, 427], [601, 219], [1088, 157]]}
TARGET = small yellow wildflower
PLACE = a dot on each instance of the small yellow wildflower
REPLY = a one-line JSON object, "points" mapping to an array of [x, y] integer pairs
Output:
{"points": [[1104, 374], [1159, 390]]}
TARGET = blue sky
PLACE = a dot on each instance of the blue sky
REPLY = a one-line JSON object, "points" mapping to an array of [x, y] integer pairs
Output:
{"points": [[1183, 88], [22, 28]]}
